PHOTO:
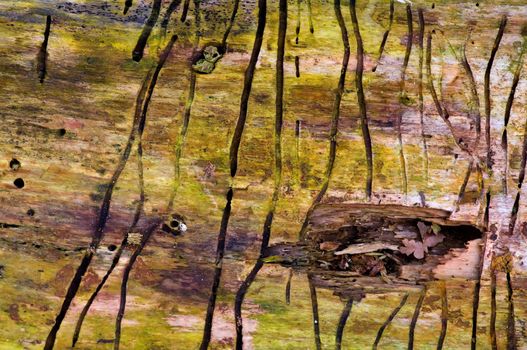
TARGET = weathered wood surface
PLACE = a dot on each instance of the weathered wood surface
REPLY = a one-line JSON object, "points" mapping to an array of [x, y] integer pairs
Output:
{"points": [[67, 109]]}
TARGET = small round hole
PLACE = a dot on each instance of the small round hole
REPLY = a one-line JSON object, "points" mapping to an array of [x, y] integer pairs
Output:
{"points": [[477, 4], [19, 183], [30, 212], [112, 247], [433, 6], [14, 164], [62, 132]]}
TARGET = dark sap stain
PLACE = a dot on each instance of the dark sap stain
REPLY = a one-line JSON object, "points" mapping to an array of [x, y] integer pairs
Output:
{"points": [[19, 183]]}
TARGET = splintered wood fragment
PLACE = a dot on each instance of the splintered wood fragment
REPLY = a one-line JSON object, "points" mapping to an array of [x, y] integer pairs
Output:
{"points": [[362, 248]]}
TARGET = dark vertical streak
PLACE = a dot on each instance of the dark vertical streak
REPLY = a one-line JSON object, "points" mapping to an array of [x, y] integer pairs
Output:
{"points": [[314, 307], [497, 41], [170, 10], [415, 317], [184, 14], [43, 52], [310, 17], [297, 29], [127, 5], [511, 329], [124, 282], [101, 220], [444, 316], [298, 127], [137, 53], [385, 36], [233, 160], [240, 295], [477, 286], [92, 298], [288, 287], [342, 323], [247, 85], [443, 113], [117, 257], [492, 326], [473, 91], [475, 306], [229, 26], [266, 234], [178, 149], [141, 110], [402, 160], [421, 99], [362, 100], [334, 117], [388, 321], [464, 184], [521, 177], [220, 249], [297, 66], [508, 109], [487, 212]]}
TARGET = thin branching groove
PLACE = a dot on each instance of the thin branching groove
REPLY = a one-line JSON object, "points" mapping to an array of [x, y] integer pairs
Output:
{"points": [[385, 35], [486, 89], [138, 52], [342, 323], [359, 70], [492, 326], [402, 95], [421, 35], [314, 308], [444, 315], [233, 164], [102, 218], [266, 234], [388, 321], [334, 118], [415, 317], [508, 109]]}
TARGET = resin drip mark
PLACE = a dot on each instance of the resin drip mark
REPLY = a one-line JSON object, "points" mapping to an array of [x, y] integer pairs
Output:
{"points": [[42, 56]]}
